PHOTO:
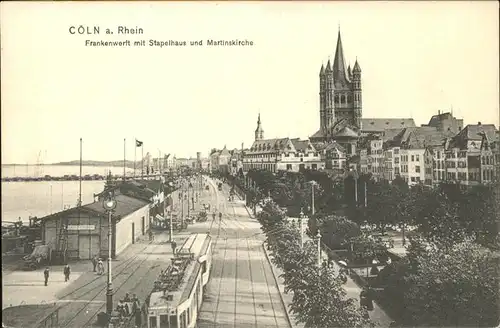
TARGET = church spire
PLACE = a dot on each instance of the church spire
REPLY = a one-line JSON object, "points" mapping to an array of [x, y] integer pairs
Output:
{"points": [[259, 132], [338, 62]]}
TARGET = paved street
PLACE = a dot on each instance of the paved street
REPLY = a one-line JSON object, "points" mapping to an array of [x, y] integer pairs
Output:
{"points": [[241, 292]]}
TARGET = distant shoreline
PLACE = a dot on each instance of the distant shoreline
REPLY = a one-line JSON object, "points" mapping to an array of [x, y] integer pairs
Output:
{"points": [[128, 164]]}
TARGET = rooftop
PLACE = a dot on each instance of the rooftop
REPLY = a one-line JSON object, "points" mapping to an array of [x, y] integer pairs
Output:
{"points": [[381, 124], [125, 205]]}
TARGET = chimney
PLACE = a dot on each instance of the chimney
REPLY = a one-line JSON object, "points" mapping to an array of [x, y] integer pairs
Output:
{"points": [[439, 112], [478, 123]]}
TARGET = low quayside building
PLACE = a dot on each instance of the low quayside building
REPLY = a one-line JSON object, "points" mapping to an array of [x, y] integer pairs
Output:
{"points": [[82, 232]]}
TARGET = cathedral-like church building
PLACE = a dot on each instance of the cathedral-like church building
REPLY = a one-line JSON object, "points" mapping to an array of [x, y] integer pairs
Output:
{"points": [[341, 105]]}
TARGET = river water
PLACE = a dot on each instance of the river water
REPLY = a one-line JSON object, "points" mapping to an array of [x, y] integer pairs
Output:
{"points": [[40, 198]]}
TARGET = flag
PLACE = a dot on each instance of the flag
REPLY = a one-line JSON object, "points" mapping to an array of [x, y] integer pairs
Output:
{"points": [[138, 143]]}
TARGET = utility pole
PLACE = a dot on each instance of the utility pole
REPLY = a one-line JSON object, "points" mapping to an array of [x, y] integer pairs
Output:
{"points": [[366, 200]]}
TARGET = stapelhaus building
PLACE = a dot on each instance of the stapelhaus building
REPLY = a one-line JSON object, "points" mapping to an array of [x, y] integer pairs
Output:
{"points": [[87, 226]]}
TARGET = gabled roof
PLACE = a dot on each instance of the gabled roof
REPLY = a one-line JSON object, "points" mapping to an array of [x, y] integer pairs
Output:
{"points": [[334, 146], [125, 205], [345, 132], [302, 145], [419, 138], [473, 132], [318, 134], [271, 146], [381, 124]]}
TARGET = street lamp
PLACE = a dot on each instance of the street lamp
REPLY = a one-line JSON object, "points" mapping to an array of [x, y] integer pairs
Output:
{"points": [[301, 218], [318, 239], [313, 183], [109, 206]]}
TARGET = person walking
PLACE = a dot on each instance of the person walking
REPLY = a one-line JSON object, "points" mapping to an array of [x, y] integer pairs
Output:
{"points": [[213, 216], [174, 246], [220, 216], [94, 262], [151, 236], [46, 275], [67, 272]]}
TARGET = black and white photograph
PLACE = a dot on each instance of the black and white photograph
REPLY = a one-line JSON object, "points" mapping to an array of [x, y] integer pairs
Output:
{"points": [[291, 164]]}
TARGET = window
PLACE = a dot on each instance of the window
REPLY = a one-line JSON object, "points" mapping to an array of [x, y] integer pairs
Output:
{"points": [[396, 160], [336, 99], [314, 166], [417, 169], [418, 158], [412, 179], [412, 158], [289, 166]]}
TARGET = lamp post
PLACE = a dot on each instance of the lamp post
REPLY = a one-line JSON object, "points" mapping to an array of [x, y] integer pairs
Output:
{"points": [[318, 239], [301, 218], [313, 183], [109, 206]]}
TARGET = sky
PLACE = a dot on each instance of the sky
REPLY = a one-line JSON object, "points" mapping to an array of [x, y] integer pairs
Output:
{"points": [[416, 58]]}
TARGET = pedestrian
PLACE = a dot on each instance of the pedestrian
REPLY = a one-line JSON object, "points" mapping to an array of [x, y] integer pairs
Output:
{"points": [[138, 318], [94, 262], [46, 275], [100, 267], [127, 297], [220, 216], [151, 236], [67, 272], [389, 261], [174, 246], [365, 299], [213, 216]]}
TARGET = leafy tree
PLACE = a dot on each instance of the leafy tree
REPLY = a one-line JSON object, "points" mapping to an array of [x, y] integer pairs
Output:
{"points": [[336, 231], [454, 287], [322, 301], [366, 247]]}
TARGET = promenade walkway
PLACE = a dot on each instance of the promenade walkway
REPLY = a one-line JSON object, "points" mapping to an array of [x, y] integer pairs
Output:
{"points": [[378, 316]]}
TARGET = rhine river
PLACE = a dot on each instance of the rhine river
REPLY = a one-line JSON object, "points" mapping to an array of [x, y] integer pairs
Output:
{"points": [[40, 198]]}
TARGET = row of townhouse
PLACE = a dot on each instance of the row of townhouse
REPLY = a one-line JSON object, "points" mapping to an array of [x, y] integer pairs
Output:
{"points": [[225, 160], [430, 155], [282, 154]]}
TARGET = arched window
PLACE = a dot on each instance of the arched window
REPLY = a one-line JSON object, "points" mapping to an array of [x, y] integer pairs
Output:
{"points": [[343, 99], [336, 99], [349, 99]]}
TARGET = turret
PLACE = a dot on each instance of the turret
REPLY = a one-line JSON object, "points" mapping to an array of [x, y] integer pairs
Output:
{"points": [[259, 132], [349, 72]]}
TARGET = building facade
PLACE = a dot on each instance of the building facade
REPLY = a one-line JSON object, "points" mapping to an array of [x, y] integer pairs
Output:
{"points": [[87, 228], [280, 154]]}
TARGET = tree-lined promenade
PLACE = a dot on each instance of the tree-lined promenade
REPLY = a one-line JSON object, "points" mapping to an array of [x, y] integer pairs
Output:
{"points": [[450, 274]]}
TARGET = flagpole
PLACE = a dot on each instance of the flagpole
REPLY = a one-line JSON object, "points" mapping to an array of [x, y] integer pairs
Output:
{"points": [[80, 187], [135, 155], [142, 161], [124, 156]]}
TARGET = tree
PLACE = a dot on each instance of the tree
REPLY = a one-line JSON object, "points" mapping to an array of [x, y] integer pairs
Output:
{"points": [[336, 230], [454, 287], [322, 301]]}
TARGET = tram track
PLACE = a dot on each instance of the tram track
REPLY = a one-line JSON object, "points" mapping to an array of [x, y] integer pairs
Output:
{"points": [[252, 282], [71, 321]]}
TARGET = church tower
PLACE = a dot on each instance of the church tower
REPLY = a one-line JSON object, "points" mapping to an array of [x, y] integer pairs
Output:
{"points": [[358, 101], [340, 92], [259, 132]]}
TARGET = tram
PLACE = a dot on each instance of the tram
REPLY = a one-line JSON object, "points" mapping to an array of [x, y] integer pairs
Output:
{"points": [[178, 293], [31, 316]]}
